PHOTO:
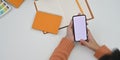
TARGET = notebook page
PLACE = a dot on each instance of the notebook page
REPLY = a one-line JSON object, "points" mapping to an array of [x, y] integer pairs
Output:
{"points": [[70, 9], [49, 6]]}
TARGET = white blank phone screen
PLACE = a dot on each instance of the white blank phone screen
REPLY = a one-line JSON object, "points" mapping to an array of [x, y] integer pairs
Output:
{"points": [[80, 28]]}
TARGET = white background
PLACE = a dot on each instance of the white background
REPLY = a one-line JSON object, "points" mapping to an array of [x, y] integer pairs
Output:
{"points": [[18, 41]]}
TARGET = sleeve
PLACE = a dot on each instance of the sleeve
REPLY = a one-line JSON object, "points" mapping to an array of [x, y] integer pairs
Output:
{"points": [[63, 50], [102, 51]]}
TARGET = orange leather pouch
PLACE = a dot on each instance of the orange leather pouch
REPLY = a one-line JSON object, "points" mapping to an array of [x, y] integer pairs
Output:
{"points": [[15, 3]]}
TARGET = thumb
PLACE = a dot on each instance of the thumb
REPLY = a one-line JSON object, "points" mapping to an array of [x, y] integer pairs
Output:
{"points": [[83, 42]]}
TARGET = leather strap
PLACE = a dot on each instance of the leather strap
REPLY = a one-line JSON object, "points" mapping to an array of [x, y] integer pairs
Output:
{"points": [[80, 8], [35, 5]]}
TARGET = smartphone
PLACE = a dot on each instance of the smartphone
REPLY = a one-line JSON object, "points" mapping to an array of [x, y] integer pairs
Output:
{"points": [[79, 27]]}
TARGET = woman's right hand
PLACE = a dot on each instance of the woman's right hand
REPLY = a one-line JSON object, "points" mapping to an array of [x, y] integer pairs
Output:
{"points": [[91, 43]]}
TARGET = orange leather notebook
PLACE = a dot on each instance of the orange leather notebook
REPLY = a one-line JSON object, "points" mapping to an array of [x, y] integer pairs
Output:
{"points": [[15, 3], [47, 22]]}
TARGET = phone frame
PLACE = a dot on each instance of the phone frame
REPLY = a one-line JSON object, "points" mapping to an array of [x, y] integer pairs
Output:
{"points": [[73, 27]]}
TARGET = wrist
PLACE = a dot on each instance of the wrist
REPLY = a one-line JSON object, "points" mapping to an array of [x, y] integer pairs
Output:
{"points": [[68, 38], [96, 48]]}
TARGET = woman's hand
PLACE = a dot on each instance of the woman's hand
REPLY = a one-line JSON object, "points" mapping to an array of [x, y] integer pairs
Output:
{"points": [[91, 43], [69, 34]]}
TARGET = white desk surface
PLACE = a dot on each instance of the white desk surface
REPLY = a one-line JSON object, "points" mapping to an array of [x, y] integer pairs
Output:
{"points": [[18, 41]]}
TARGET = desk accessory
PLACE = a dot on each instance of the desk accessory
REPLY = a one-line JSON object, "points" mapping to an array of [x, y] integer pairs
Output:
{"points": [[15, 3], [4, 8]]}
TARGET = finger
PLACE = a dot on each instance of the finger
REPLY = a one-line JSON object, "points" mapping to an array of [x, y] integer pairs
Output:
{"points": [[89, 33], [88, 29], [79, 13], [90, 37], [83, 42], [70, 25], [86, 22]]}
